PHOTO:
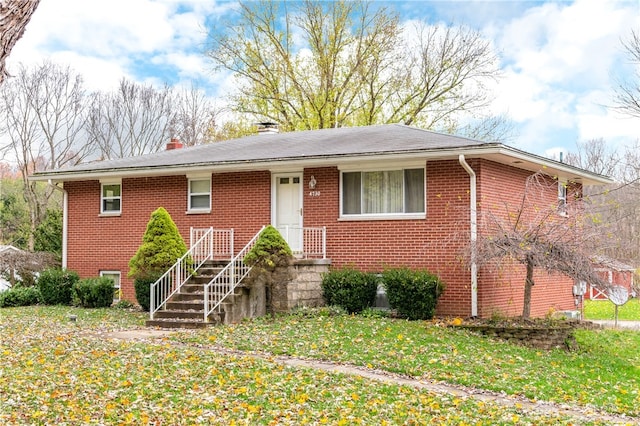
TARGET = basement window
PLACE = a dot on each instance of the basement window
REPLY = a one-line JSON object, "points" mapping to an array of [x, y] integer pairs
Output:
{"points": [[115, 277]]}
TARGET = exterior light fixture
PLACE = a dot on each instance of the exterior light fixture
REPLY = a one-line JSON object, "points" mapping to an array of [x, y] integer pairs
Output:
{"points": [[312, 183]]}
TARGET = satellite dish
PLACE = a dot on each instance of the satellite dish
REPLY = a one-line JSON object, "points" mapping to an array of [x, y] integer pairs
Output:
{"points": [[618, 295]]}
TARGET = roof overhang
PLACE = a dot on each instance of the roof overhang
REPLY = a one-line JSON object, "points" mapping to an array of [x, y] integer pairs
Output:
{"points": [[494, 152]]}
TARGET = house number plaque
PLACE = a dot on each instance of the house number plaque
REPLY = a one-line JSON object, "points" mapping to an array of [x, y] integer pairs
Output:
{"points": [[314, 193]]}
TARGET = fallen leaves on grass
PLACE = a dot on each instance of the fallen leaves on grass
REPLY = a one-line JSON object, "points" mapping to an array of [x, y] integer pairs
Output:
{"points": [[56, 373], [590, 377]]}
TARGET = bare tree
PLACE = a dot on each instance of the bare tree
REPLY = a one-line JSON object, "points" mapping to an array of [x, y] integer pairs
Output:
{"points": [[195, 118], [627, 94], [14, 17], [43, 125], [534, 234], [596, 156], [615, 206], [132, 120], [24, 264], [330, 64]]}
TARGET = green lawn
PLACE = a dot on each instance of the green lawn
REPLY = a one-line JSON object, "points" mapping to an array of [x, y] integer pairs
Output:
{"points": [[605, 310], [54, 371]]}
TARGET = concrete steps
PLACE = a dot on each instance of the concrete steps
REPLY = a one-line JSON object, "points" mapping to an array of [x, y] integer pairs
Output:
{"points": [[186, 309]]}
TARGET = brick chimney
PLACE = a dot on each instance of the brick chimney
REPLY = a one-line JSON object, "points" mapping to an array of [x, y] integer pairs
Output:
{"points": [[267, 128], [174, 144]]}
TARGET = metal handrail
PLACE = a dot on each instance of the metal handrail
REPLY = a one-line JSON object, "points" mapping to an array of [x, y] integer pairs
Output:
{"points": [[172, 280], [226, 281], [222, 241], [307, 242]]}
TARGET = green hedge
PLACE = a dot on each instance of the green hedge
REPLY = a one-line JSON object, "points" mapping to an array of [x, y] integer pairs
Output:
{"points": [[93, 293], [56, 286], [412, 293], [19, 296], [350, 289]]}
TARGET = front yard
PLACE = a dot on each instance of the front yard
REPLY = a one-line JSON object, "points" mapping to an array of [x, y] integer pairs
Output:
{"points": [[56, 371]]}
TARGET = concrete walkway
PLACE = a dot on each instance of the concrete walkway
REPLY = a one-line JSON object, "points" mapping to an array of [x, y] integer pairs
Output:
{"points": [[634, 325]]}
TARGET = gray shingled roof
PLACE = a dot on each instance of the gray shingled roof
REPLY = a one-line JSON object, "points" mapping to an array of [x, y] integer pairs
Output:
{"points": [[294, 145], [323, 145]]}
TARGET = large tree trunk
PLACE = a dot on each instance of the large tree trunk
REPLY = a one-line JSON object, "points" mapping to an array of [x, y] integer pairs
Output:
{"points": [[14, 16], [528, 285]]}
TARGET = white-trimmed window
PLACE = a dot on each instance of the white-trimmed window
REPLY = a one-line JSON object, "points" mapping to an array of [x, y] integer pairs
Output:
{"points": [[384, 193], [115, 277], [562, 197], [110, 197], [199, 194]]}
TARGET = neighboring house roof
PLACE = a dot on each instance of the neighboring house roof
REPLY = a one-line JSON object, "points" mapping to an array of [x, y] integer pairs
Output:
{"points": [[612, 264], [317, 148]]}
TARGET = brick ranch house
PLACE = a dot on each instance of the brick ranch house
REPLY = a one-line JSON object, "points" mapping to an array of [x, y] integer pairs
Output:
{"points": [[383, 196]]}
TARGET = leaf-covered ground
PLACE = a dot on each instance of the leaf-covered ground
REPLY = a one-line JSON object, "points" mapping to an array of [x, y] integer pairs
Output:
{"points": [[55, 371], [604, 373]]}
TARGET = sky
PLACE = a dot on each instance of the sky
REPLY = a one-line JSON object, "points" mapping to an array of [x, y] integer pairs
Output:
{"points": [[560, 60]]}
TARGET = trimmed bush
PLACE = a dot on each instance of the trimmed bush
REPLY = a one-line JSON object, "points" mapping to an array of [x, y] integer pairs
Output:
{"points": [[412, 293], [269, 251], [143, 291], [93, 293], [162, 245], [56, 286], [19, 296], [350, 289]]}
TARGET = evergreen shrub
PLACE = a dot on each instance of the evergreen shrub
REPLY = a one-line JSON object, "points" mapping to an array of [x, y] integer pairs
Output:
{"points": [[412, 293], [269, 251], [350, 289], [93, 293], [56, 286], [143, 291], [19, 296], [162, 245]]}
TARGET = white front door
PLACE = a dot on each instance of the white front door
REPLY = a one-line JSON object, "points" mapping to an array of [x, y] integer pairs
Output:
{"points": [[287, 210]]}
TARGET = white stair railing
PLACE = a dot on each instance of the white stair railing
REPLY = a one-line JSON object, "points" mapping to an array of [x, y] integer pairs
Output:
{"points": [[307, 242], [172, 280], [222, 240], [223, 284]]}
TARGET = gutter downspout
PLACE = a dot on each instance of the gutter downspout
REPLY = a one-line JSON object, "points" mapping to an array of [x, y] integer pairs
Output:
{"points": [[474, 234], [65, 220]]}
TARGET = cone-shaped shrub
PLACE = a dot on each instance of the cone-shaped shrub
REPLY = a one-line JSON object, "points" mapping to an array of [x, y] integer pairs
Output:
{"points": [[161, 246], [269, 251]]}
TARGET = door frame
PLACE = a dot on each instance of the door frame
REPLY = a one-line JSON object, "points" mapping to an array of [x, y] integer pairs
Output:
{"points": [[274, 196]]}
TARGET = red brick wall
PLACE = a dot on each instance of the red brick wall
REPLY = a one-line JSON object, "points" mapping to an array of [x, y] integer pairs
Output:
{"points": [[108, 242], [501, 286], [243, 201]]}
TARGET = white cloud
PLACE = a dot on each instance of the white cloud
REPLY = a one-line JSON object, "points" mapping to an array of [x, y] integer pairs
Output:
{"points": [[558, 58]]}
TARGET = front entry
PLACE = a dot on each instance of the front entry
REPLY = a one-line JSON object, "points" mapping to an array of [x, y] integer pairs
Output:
{"points": [[287, 208]]}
